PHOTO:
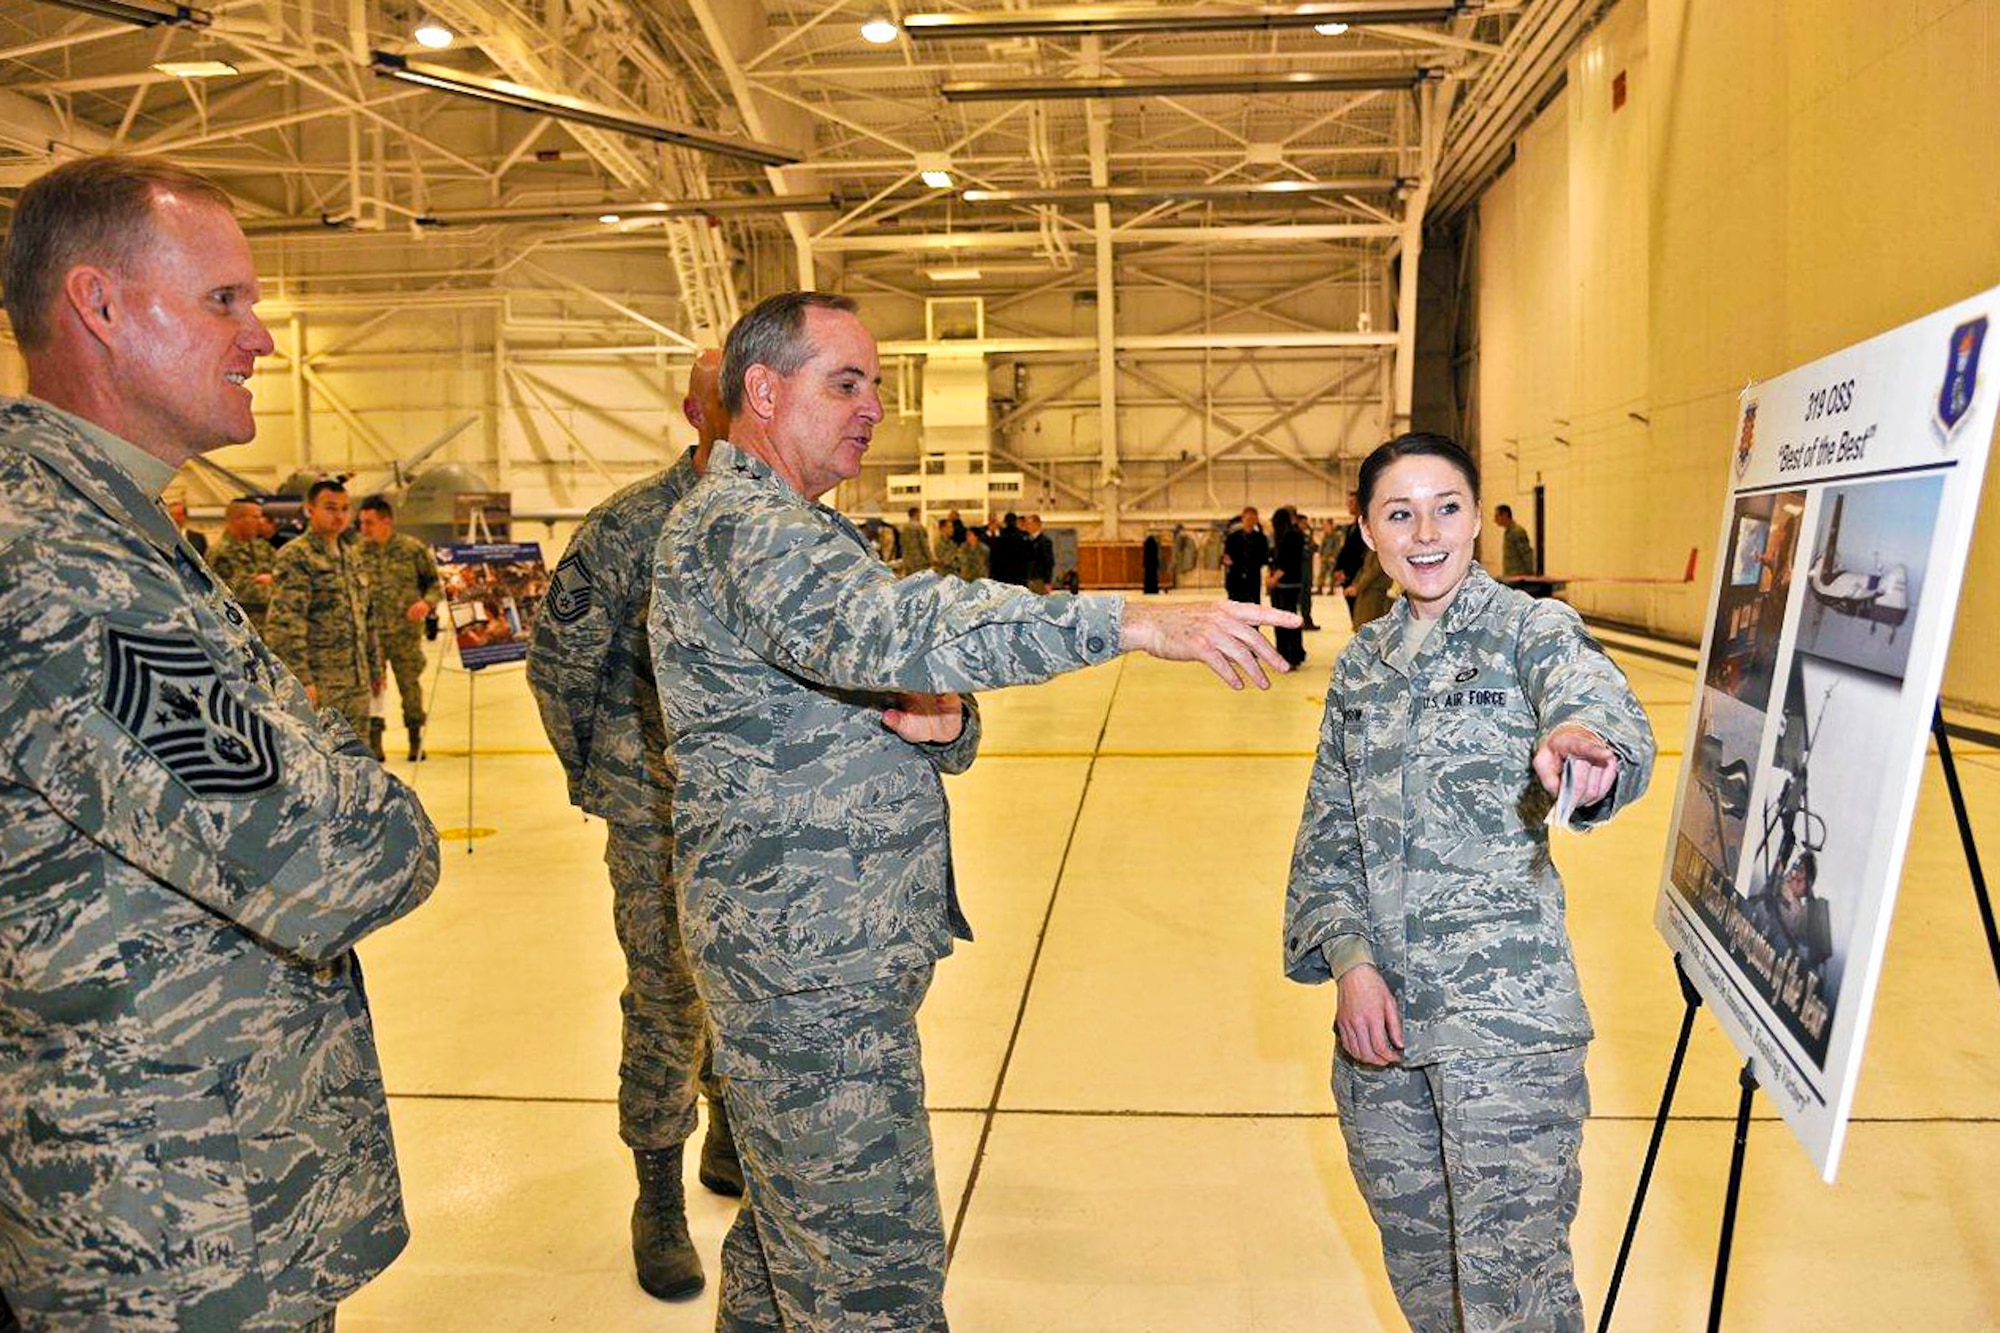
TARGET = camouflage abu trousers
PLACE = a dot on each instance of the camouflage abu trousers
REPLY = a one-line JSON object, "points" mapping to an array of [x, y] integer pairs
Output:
{"points": [[664, 1057], [405, 651], [1470, 1169], [348, 700], [842, 1228]]}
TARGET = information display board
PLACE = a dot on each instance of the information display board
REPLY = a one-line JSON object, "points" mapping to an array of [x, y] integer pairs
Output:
{"points": [[1854, 487], [493, 592]]}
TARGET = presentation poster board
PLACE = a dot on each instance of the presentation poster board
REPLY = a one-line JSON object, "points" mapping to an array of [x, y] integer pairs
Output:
{"points": [[1853, 490], [493, 592]]}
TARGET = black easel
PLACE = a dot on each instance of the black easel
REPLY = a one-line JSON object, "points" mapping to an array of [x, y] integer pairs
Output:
{"points": [[1748, 1078]]}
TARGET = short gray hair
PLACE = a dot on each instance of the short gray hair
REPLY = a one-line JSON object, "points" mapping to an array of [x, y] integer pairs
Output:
{"points": [[773, 334], [94, 210]]}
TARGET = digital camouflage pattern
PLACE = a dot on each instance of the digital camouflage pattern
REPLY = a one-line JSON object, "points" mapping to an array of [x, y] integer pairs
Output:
{"points": [[591, 673], [400, 573], [320, 623], [193, 1134], [815, 871], [812, 839], [238, 564], [845, 1233], [1423, 849], [974, 560], [916, 548], [1517, 552], [1490, 1251]]}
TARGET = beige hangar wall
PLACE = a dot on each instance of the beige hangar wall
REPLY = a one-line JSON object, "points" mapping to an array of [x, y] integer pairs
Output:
{"points": [[1784, 179]]}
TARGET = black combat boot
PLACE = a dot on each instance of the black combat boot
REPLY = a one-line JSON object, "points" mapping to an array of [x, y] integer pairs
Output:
{"points": [[720, 1171], [668, 1266], [375, 728], [416, 742]]}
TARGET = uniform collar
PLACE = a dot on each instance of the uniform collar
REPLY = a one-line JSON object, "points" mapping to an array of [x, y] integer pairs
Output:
{"points": [[726, 457], [1473, 595], [116, 475]]}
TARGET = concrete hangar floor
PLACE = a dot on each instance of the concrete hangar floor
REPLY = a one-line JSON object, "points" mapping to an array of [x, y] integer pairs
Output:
{"points": [[1130, 1103]]}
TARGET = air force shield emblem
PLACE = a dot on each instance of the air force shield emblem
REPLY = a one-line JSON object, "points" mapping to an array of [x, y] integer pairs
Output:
{"points": [[1961, 377], [570, 591], [165, 692]]}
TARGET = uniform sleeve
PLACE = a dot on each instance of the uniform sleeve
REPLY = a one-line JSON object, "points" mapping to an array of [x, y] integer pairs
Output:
{"points": [[196, 763], [566, 656], [799, 593], [1326, 902], [429, 586], [956, 756], [285, 622], [1568, 678], [378, 662]]}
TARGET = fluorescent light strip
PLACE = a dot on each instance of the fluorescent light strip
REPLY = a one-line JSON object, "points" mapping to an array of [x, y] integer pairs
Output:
{"points": [[561, 106], [1188, 86], [530, 213], [1080, 20], [1274, 190]]}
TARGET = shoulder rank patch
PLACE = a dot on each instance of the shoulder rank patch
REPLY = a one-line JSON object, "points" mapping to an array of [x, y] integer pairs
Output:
{"points": [[164, 691], [570, 590]]}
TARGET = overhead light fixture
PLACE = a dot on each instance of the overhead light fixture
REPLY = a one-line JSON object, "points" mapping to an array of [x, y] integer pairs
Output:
{"points": [[145, 13], [433, 35], [963, 273], [879, 31], [1276, 191], [1192, 85], [935, 170], [531, 213], [1130, 19], [196, 69], [1329, 29], [561, 106]]}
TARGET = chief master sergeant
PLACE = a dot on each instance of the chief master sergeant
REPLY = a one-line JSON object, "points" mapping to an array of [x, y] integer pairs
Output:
{"points": [[320, 622], [193, 1134], [813, 700], [592, 679], [403, 589]]}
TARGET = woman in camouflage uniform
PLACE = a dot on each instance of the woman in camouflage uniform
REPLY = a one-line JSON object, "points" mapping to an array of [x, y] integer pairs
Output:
{"points": [[1421, 883]]}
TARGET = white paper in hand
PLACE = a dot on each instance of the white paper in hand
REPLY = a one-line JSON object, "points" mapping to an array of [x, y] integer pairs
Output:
{"points": [[1565, 807]]}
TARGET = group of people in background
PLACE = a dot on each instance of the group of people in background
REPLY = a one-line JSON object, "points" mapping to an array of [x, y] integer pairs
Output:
{"points": [[1009, 549]]}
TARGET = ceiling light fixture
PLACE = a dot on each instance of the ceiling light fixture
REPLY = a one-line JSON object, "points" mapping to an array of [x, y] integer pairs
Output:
{"points": [[1193, 85], [196, 69], [935, 170], [1277, 191], [561, 106], [1127, 19], [879, 31], [960, 274], [1329, 29], [433, 35], [531, 213], [609, 219], [145, 13]]}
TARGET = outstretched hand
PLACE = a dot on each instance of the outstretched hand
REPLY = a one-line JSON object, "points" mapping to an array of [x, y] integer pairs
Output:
{"points": [[1221, 635], [926, 719], [1597, 771], [1370, 1028]]}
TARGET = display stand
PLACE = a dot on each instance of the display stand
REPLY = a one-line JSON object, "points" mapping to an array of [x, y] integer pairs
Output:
{"points": [[1748, 1078]]}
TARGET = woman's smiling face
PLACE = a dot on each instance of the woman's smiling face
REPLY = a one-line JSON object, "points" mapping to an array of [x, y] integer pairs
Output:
{"points": [[1423, 521]]}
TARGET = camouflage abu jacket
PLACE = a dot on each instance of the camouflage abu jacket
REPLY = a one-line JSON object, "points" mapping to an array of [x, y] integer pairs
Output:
{"points": [[238, 564], [812, 840], [400, 571], [193, 1135], [320, 621], [589, 666], [1423, 849]]}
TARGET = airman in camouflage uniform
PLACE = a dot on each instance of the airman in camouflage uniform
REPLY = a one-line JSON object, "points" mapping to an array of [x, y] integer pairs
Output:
{"points": [[813, 704], [403, 588], [244, 560], [592, 678], [974, 560], [321, 622], [915, 544], [193, 1133], [1423, 855]]}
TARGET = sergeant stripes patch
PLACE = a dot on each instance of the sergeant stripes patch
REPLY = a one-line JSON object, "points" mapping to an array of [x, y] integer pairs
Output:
{"points": [[165, 692], [569, 591]]}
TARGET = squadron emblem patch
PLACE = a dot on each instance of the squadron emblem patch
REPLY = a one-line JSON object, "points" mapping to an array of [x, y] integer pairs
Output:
{"points": [[164, 691], [570, 591]]}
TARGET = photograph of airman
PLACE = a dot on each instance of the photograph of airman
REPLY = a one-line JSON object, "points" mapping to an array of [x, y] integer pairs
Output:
{"points": [[813, 703], [194, 1136], [591, 673], [320, 621], [244, 560], [403, 589], [1421, 884]]}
